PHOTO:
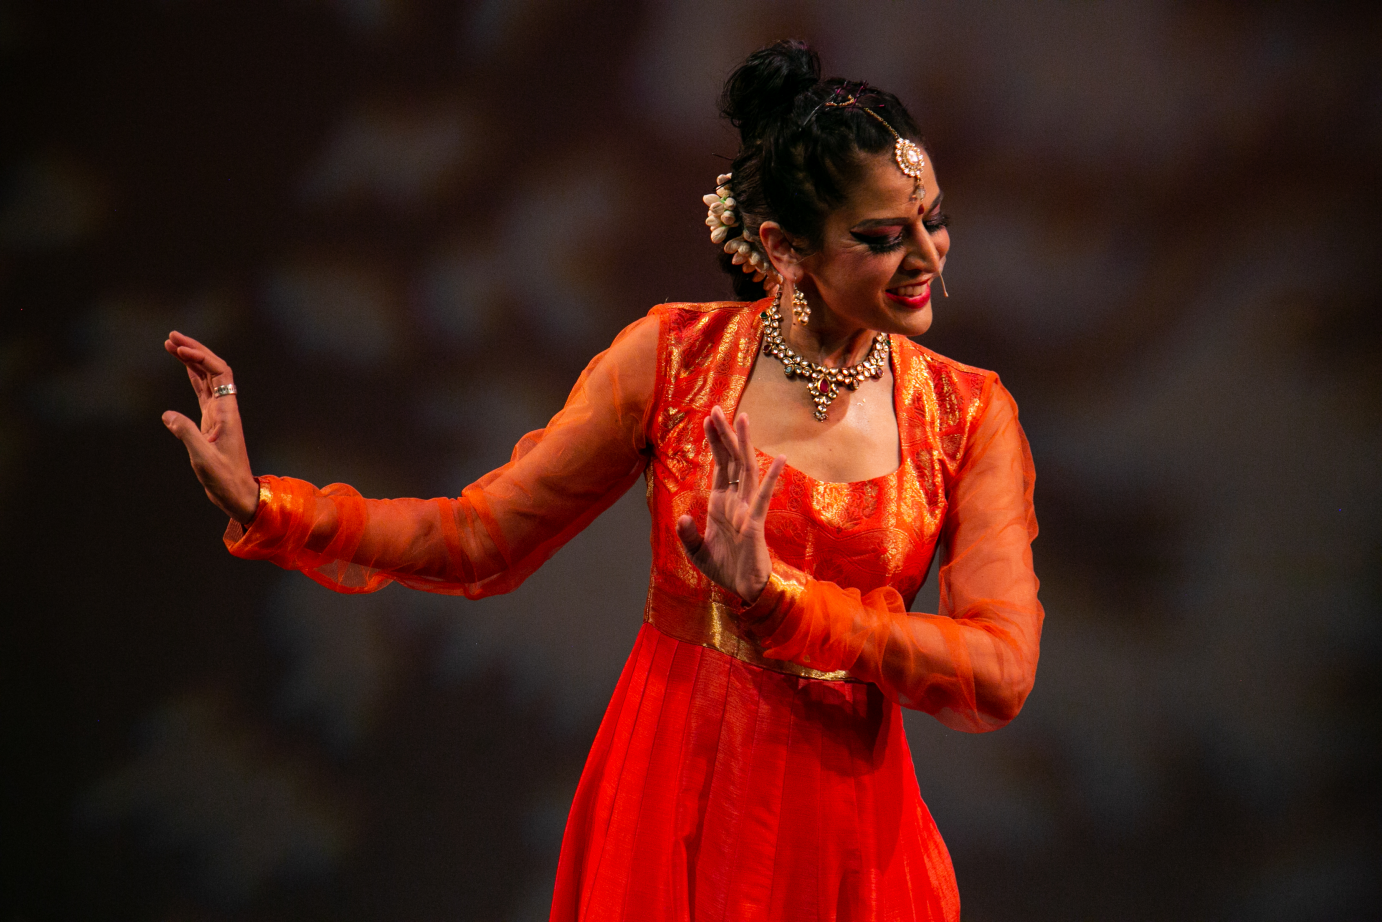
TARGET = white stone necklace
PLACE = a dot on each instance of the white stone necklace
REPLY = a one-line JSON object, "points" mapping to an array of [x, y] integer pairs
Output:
{"points": [[823, 384]]}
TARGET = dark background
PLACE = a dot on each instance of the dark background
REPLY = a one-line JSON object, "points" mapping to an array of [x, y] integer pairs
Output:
{"points": [[409, 224]]}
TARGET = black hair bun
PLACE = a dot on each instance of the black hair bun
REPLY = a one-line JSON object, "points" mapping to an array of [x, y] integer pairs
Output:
{"points": [[765, 86]]}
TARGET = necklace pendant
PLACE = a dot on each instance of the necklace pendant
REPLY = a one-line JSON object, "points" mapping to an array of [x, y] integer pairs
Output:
{"points": [[823, 393]]}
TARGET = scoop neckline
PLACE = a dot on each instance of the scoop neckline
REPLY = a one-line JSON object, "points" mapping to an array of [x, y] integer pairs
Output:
{"points": [[832, 483]]}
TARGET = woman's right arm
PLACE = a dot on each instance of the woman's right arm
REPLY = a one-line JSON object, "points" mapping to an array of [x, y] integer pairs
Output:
{"points": [[487, 541]]}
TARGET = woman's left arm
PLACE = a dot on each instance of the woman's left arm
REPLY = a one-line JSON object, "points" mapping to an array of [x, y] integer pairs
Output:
{"points": [[973, 663], [503, 526]]}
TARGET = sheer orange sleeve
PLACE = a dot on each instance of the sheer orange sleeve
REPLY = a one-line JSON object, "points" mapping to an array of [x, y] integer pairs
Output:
{"points": [[973, 663], [503, 526]]}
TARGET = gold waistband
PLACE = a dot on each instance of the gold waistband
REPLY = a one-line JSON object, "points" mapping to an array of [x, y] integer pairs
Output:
{"points": [[711, 623]]}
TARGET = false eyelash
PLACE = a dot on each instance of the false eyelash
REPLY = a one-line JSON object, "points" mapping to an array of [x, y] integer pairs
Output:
{"points": [[886, 244], [879, 243]]}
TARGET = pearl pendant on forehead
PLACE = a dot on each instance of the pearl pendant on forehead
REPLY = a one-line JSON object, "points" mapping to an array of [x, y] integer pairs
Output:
{"points": [[909, 157], [911, 162]]}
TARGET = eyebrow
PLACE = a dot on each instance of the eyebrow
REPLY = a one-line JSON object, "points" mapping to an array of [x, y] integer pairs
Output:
{"points": [[892, 222]]}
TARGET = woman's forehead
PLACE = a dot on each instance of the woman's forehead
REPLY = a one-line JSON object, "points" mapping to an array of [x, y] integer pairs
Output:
{"points": [[884, 190]]}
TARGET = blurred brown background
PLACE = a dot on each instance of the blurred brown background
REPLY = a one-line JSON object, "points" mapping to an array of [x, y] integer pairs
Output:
{"points": [[408, 224]]}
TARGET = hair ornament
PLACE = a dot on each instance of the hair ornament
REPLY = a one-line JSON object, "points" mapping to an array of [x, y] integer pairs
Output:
{"points": [[906, 153], [721, 216], [743, 249]]}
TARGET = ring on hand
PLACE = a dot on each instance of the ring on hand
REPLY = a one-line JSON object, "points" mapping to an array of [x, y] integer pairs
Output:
{"points": [[734, 483], [223, 390]]}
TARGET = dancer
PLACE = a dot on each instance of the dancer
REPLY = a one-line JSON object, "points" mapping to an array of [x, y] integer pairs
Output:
{"points": [[752, 763]]}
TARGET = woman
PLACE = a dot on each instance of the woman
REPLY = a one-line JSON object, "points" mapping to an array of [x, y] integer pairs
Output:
{"points": [[752, 763]]}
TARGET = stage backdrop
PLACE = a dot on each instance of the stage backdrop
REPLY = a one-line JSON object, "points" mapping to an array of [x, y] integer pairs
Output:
{"points": [[408, 225]]}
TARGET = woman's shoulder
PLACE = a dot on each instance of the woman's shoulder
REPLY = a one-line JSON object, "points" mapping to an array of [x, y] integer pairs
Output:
{"points": [[704, 313], [948, 397], [944, 363], [944, 373], [700, 311], [689, 329]]}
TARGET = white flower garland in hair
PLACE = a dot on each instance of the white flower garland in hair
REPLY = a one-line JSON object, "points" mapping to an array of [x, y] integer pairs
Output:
{"points": [[742, 249]]}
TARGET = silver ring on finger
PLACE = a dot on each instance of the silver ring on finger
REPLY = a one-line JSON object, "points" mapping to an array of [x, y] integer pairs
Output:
{"points": [[734, 483], [223, 390]]}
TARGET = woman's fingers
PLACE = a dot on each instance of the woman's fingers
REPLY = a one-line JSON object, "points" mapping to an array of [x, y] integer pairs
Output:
{"points": [[725, 468], [204, 363], [183, 341], [733, 450], [195, 355], [206, 370], [747, 461], [199, 385], [736, 464], [190, 435], [690, 538], [764, 497]]}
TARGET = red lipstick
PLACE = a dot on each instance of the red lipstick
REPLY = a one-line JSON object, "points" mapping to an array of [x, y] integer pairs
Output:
{"points": [[916, 303]]}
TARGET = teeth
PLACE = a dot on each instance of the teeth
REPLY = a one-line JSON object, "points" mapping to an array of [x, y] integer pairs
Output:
{"points": [[909, 291]]}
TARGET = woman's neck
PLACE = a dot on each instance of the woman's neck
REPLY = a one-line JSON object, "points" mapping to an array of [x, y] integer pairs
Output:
{"points": [[826, 342]]}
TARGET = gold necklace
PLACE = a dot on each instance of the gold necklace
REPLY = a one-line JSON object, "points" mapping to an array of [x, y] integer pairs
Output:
{"points": [[822, 384]]}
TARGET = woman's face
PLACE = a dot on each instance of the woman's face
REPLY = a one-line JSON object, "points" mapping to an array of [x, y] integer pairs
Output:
{"points": [[879, 253]]}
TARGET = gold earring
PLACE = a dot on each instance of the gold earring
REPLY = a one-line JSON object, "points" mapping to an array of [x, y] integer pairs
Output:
{"points": [[801, 311]]}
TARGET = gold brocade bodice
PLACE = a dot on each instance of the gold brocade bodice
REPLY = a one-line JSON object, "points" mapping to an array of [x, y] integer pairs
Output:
{"points": [[863, 535]]}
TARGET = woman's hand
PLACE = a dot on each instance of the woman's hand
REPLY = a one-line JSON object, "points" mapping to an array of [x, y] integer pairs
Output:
{"points": [[217, 449], [733, 551]]}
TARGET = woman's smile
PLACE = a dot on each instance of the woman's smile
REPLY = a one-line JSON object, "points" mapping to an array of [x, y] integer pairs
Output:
{"points": [[913, 296]]}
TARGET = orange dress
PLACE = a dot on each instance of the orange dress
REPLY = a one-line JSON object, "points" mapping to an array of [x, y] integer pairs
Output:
{"points": [[752, 763]]}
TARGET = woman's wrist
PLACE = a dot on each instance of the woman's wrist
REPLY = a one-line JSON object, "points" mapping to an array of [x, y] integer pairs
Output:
{"points": [[260, 491], [755, 589]]}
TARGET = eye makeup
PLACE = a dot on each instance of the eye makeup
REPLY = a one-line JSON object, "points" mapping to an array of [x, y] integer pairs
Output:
{"points": [[879, 243], [890, 236]]}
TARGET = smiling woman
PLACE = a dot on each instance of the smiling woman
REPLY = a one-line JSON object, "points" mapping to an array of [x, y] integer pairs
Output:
{"points": [[752, 763]]}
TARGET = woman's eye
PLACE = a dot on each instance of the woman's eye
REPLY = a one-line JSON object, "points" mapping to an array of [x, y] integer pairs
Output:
{"points": [[880, 243], [936, 221]]}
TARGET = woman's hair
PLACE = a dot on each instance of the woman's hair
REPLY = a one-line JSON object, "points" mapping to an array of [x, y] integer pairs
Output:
{"points": [[799, 158]]}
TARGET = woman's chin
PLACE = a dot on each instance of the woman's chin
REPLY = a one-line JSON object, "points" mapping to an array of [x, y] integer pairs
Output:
{"points": [[912, 322], [920, 322], [913, 315]]}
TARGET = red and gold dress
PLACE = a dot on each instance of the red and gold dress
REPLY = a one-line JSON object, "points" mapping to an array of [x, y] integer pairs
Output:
{"points": [[751, 764]]}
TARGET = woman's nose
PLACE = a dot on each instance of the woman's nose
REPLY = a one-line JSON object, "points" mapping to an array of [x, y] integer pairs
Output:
{"points": [[926, 255]]}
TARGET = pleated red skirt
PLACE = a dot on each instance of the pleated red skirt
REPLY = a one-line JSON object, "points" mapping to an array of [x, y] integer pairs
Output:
{"points": [[718, 790]]}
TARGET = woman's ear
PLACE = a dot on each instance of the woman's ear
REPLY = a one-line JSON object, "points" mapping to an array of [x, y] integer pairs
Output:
{"points": [[780, 251]]}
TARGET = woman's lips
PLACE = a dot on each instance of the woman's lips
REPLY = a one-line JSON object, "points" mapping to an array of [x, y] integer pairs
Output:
{"points": [[915, 302]]}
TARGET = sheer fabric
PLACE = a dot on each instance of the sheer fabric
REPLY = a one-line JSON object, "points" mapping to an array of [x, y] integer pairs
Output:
{"points": [[502, 527], [751, 764]]}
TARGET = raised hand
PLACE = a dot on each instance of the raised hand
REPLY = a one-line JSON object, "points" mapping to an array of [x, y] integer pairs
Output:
{"points": [[733, 551], [217, 448]]}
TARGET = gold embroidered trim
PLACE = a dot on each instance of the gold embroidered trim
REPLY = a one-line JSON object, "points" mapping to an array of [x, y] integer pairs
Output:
{"points": [[715, 625]]}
